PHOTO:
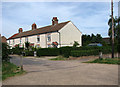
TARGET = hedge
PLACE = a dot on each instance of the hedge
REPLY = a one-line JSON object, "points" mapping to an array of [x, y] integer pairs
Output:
{"points": [[78, 53], [48, 52], [29, 53]]}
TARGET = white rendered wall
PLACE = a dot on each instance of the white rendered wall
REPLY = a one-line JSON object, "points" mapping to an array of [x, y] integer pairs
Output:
{"points": [[69, 33]]}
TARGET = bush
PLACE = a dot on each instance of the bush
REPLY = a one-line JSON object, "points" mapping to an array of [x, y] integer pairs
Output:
{"points": [[76, 53], [65, 51], [48, 52], [5, 52], [17, 50], [29, 53]]}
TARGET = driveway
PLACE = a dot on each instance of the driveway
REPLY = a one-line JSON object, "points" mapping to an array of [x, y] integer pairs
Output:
{"points": [[41, 71]]}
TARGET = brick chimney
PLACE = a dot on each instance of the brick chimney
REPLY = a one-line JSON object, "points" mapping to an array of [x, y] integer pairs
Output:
{"points": [[20, 30], [54, 21], [34, 26]]}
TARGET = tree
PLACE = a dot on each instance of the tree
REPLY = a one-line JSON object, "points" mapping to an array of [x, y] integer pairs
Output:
{"points": [[115, 30], [5, 52], [86, 39], [75, 44], [27, 44]]}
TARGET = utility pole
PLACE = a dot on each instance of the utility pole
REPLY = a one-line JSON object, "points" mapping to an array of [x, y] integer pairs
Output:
{"points": [[112, 29]]}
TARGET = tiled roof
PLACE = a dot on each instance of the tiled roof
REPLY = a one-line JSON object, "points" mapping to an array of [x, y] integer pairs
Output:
{"points": [[13, 36], [46, 29]]}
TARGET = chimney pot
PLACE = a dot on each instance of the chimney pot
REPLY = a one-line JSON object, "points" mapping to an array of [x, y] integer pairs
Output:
{"points": [[20, 30], [34, 26], [54, 21]]}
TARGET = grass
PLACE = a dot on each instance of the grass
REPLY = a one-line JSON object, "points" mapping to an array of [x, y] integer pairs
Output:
{"points": [[106, 61], [9, 69], [59, 58]]}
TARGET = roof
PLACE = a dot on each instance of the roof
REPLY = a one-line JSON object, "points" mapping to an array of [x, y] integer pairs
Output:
{"points": [[106, 39], [13, 36], [42, 30]]}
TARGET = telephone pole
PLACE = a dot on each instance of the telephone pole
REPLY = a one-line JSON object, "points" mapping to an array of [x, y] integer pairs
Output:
{"points": [[112, 29]]}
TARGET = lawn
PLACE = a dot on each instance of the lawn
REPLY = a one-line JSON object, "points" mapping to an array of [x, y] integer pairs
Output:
{"points": [[9, 69], [106, 61]]}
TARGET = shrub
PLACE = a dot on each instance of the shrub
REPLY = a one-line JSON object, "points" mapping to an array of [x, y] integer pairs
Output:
{"points": [[76, 53], [48, 52], [5, 52], [17, 50], [65, 51], [29, 53], [75, 44]]}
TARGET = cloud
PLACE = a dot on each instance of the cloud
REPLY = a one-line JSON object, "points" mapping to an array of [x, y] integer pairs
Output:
{"points": [[87, 16]]}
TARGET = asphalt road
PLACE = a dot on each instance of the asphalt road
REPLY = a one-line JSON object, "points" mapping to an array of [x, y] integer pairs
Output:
{"points": [[41, 71]]}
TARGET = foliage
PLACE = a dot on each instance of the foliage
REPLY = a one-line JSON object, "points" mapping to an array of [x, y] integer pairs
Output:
{"points": [[29, 53], [9, 69], [78, 53], [116, 30], [75, 44], [17, 50], [86, 39], [47, 52], [27, 44], [5, 52], [74, 51], [106, 61], [65, 51]]}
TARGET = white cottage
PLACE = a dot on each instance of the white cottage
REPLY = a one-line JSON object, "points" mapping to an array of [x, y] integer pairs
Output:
{"points": [[64, 34]]}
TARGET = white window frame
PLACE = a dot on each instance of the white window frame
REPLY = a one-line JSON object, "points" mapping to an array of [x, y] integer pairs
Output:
{"points": [[38, 38], [13, 42], [9, 42], [48, 36], [20, 40], [26, 39]]}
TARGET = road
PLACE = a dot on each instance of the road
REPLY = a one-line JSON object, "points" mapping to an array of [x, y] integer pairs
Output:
{"points": [[41, 71]]}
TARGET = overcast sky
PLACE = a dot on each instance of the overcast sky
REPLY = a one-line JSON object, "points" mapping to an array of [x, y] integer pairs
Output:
{"points": [[89, 17]]}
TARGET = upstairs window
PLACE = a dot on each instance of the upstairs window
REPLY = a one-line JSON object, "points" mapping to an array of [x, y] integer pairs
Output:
{"points": [[20, 41], [13, 42], [48, 37], [26, 39], [9, 42], [38, 38]]}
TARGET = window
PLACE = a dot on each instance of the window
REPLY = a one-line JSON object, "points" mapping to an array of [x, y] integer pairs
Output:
{"points": [[48, 37], [9, 42], [20, 41], [26, 39], [38, 38], [49, 45], [13, 42]]}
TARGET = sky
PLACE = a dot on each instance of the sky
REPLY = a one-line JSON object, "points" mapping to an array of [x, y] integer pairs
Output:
{"points": [[89, 17]]}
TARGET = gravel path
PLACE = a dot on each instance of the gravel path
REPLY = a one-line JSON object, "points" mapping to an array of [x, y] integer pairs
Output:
{"points": [[41, 71]]}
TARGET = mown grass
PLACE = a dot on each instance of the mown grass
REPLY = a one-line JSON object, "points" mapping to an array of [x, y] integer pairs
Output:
{"points": [[59, 58], [106, 61], [9, 69]]}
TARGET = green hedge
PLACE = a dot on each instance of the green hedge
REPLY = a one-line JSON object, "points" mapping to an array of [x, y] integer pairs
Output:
{"points": [[29, 53], [74, 51], [78, 53], [48, 52]]}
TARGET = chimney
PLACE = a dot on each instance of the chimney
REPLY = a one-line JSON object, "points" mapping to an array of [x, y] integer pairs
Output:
{"points": [[54, 21], [20, 30], [34, 26]]}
